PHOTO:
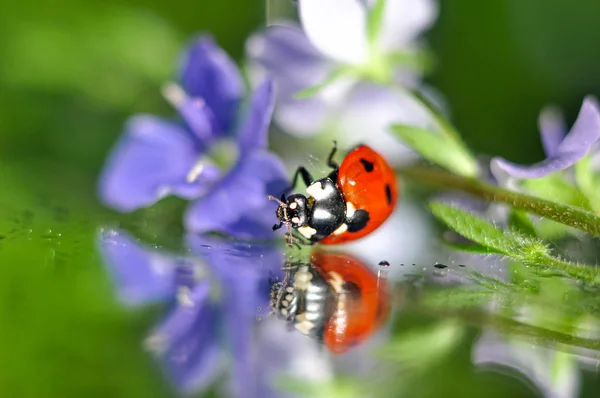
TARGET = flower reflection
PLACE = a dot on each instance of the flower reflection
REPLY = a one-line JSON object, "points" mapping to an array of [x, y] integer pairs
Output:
{"points": [[189, 343], [335, 299]]}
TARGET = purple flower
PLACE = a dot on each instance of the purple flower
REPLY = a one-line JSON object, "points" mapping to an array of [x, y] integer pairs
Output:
{"points": [[156, 157], [562, 150], [190, 342], [332, 47]]}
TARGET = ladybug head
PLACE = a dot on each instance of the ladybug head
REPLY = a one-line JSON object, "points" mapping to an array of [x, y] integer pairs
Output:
{"points": [[292, 212]]}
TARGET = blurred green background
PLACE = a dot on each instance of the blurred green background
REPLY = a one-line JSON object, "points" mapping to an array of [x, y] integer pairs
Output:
{"points": [[72, 71]]}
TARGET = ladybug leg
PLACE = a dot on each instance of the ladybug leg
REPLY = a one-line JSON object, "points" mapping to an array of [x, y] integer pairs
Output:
{"points": [[306, 178], [330, 161], [297, 240]]}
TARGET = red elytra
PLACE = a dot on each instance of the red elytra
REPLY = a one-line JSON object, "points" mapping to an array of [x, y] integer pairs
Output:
{"points": [[368, 182], [362, 305]]}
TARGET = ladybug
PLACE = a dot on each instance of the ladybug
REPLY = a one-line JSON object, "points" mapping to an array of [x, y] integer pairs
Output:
{"points": [[335, 299], [351, 202]]}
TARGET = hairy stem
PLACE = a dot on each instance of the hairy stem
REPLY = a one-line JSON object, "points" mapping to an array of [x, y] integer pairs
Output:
{"points": [[564, 214]]}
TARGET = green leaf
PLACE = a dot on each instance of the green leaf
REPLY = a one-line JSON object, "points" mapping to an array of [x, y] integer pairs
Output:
{"points": [[528, 250], [442, 123], [374, 22], [445, 152], [588, 182], [554, 187], [471, 248], [310, 91], [478, 230], [519, 221]]}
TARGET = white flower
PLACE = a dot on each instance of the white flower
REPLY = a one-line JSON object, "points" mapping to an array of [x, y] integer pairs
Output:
{"points": [[334, 50]]}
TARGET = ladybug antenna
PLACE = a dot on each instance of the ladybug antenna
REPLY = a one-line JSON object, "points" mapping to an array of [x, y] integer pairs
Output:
{"points": [[288, 224], [280, 201]]}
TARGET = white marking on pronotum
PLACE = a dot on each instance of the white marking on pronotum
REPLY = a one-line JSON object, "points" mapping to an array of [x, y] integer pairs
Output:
{"points": [[341, 229], [293, 205], [307, 231], [316, 190], [350, 209]]}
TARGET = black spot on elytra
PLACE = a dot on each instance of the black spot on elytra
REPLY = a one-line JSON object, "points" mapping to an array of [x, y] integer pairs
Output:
{"points": [[358, 221], [367, 165], [388, 193], [440, 266]]}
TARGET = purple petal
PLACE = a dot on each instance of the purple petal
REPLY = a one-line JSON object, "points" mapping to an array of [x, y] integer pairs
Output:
{"points": [[285, 54], [289, 59], [195, 113], [552, 129], [582, 137], [140, 275], [254, 131], [240, 193], [209, 73], [152, 159], [241, 266], [186, 342], [244, 271]]}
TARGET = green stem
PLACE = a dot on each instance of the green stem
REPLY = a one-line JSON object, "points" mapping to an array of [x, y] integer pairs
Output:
{"points": [[564, 214]]}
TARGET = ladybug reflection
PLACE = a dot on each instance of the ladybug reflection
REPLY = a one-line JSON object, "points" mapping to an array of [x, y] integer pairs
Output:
{"points": [[351, 202], [336, 300]]}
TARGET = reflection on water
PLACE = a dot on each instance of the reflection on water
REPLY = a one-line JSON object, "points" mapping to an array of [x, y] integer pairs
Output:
{"points": [[248, 320], [334, 298]]}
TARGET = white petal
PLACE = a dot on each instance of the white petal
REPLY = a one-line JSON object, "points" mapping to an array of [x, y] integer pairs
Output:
{"points": [[338, 28], [306, 117], [404, 20]]}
